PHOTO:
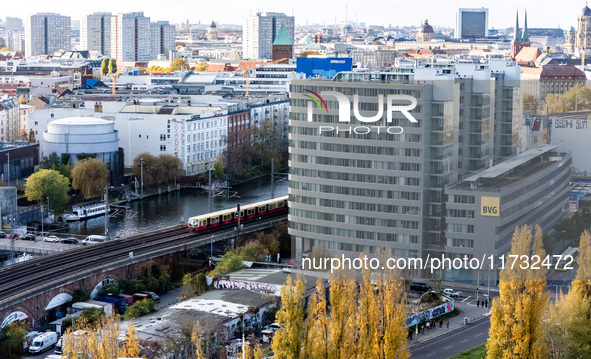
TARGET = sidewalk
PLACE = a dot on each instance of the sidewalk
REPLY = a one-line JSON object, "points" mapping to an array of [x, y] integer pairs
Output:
{"points": [[467, 310]]}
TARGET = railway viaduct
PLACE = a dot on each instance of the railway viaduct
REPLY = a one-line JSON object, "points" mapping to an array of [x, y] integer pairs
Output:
{"points": [[41, 287]]}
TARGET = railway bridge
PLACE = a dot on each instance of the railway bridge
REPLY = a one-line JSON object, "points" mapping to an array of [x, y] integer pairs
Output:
{"points": [[40, 287]]}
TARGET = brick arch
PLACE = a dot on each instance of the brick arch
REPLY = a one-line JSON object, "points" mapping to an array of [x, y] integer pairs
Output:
{"points": [[99, 283], [18, 308], [57, 292]]}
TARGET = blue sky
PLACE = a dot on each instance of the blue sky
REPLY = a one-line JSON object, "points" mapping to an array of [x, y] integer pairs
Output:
{"points": [[541, 13]]}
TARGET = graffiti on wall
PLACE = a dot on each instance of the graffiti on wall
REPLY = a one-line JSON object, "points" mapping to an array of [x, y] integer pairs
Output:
{"points": [[263, 288]]}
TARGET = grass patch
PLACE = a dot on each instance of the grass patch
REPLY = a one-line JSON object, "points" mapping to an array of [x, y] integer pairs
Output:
{"points": [[478, 352]]}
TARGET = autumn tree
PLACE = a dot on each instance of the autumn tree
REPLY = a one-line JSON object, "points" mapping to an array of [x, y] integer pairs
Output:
{"points": [[202, 66], [530, 102], [5, 49], [105, 67], [131, 347], [368, 320], [309, 53], [112, 66], [343, 305], [11, 340], [197, 338], [218, 169], [152, 168], [48, 183], [178, 64], [287, 342], [90, 177], [32, 136], [516, 316], [171, 165], [317, 339]]}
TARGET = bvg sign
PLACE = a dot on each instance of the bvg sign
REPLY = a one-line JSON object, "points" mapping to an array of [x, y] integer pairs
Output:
{"points": [[490, 206]]}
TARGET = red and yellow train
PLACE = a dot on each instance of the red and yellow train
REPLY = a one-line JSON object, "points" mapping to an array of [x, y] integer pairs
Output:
{"points": [[230, 216]]}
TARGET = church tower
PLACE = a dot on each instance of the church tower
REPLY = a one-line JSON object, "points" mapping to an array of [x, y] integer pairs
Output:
{"points": [[583, 36], [520, 40]]}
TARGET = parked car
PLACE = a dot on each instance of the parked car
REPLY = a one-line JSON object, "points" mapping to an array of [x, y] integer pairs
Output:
{"points": [[70, 240], [451, 293], [28, 237], [419, 287], [155, 297], [51, 239], [2, 234]]}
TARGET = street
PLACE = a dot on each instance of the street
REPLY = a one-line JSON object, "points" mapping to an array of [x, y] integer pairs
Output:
{"points": [[453, 342]]}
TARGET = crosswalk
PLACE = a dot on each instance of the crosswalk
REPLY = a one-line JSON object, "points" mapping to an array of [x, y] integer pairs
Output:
{"points": [[253, 274]]}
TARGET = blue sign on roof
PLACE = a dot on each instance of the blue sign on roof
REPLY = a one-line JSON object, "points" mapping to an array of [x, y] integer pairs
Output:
{"points": [[323, 67]]}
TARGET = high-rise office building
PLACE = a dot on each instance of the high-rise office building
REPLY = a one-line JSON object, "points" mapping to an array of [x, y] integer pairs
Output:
{"points": [[130, 37], [14, 28], [47, 33], [352, 191], [162, 38], [260, 31], [471, 23], [95, 33]]}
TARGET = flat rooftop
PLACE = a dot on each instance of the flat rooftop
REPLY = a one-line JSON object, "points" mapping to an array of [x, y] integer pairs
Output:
{"points": [[512, 169]]}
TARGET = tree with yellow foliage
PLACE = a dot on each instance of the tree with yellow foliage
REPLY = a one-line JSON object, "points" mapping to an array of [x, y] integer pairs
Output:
{"points": [[131, 347], [368, 320], [516, 316], [258, 352], [316, 344], [287, 342], [197, 338], [343, 305]]}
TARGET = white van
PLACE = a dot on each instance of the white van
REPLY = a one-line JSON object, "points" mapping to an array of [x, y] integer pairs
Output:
{"points": [[58, 347], [43, 342], [92, 239]]}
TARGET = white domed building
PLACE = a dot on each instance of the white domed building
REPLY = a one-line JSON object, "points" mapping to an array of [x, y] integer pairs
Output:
{"points": [[78, 137]]}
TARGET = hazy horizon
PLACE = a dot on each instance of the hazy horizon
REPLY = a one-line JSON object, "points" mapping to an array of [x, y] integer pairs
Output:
{"points": [[541, 13]]}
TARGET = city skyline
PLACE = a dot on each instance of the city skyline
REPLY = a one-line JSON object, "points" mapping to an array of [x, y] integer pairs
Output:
{"points": [[501, 13]]}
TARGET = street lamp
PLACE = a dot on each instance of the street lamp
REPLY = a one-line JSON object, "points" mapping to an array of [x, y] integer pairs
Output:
{"points": [[142, 175], [8, 177]]}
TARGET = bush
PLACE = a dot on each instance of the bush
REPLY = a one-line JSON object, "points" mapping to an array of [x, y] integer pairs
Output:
{"points": [[111, 288], [11, 340], [140, 308], [80, 295], [195, 284], [90, 316], [230, 262]]}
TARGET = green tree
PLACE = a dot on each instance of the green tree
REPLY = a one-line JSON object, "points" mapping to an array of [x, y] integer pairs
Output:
{"points": [[218, 169], [90, 177], [11, 340], [140, 308], [112, 66], [53, 162], [195, 284], [516, 316], [48, 183], [287, 342], [105, 67], [179, 63]]}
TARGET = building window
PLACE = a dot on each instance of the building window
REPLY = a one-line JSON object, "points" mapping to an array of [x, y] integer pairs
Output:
{"points": [[163, 137], [162, 148], [140, 136]]}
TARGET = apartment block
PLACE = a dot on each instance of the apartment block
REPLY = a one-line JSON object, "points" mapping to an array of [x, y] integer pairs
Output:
{"points": [[95, 32], [260, 31], [47, 33]]}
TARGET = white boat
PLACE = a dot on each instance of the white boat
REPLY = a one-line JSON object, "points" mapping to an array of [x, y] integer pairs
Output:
{"points": [[68, 217], [88, 210]]}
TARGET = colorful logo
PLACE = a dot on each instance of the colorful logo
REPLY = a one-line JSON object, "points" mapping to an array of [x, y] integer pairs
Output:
{"points": [[315, 100]]}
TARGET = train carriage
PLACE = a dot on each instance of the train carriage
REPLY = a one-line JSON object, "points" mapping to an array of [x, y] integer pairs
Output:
{"points": [[248, 212]]}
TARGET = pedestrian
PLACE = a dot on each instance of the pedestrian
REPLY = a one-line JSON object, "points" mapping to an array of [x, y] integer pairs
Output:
{"points": [[478, 303], [440, 323], [486, 303], [410, 334], [448, 324]]}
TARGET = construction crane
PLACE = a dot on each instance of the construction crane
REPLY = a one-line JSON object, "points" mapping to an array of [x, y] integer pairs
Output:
{"points": [[247, 70]]}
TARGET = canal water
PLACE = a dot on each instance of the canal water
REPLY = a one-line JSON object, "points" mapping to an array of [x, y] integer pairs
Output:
{"points": [[176, 207]]}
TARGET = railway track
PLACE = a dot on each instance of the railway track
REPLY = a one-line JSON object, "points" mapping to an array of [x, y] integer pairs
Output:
{"points": [[26, 279]]}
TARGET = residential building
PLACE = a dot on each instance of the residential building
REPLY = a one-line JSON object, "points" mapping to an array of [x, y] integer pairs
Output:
{"points": [[572, 134], [346, 186], [95, 33], [47, 33], [130, 37], [471, 23], [260, 31], [483, 210], [9, 120], [162, 38], [372, 59]]}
